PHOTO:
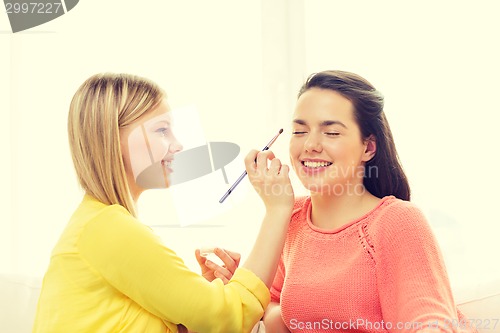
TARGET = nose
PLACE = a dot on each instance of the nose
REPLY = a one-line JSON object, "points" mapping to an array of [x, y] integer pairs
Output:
{"points": [[175, 146], [313, 143]]}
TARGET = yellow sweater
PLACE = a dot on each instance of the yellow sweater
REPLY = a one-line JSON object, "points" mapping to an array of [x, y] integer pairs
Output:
{"points": [[111, 273]]}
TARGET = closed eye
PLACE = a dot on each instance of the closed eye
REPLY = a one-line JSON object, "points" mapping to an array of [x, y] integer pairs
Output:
{"points": [[298, 132], [332, 133]]}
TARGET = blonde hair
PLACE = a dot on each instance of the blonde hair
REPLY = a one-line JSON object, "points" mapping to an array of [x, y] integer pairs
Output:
{"points": [[102, 105]]}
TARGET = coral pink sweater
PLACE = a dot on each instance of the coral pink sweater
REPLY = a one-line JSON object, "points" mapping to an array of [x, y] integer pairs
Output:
{"points": [[380, 273]]}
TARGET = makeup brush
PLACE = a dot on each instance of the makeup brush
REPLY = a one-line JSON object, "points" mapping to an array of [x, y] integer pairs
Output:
{"points": [[240, 178]]}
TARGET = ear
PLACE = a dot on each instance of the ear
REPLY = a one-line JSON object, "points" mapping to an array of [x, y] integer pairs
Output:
{"points": [[370, 148]]}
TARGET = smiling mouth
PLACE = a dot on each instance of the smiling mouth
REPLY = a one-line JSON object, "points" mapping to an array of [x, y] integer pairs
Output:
{"points": [[166, 163], [315, 164]]}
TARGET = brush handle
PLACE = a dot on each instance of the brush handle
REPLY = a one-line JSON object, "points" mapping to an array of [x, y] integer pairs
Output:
{"points": [[240, 178]]}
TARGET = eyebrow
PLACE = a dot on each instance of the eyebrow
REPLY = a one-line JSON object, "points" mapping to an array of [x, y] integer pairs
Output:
{"points": [[324, 123], [161, 122]]}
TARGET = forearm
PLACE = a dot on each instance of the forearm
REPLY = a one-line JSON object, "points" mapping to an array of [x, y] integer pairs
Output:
{"points": [[273, 320], [266, 252]]}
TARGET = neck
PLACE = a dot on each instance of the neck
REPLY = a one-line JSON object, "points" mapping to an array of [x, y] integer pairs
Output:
{"points": [[136, 195], [334, 211], [135, 190]]}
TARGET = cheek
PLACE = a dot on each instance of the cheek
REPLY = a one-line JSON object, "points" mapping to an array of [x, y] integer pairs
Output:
{"points": [[342, 150], [347, 158], [138, 153], [294, 149], [159, 148]]}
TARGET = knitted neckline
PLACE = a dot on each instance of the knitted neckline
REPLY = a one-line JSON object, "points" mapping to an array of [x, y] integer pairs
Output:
{"points": [[346, 225]]}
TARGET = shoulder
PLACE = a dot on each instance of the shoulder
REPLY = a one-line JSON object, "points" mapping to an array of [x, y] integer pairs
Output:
{"points": [[394, 208], [396, 217], [401, 239], [108, 220], [299, 213], [94, 210], [300, 203], [300, 208]]}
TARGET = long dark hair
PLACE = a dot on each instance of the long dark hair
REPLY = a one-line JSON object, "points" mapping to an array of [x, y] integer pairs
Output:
{"points": [[389, 178]]}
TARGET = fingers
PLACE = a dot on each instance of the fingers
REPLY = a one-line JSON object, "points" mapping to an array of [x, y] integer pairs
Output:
{"points": [[230, 259], [219, 272], [250, 159], [236, 256], [264, 164], [274, 167], [201, 260], [285, 170], [211, 270], [262, 158], [258, 161], [270, 179]]}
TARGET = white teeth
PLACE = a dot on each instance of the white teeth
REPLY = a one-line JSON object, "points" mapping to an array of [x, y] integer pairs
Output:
{"points": [[310, 164]]}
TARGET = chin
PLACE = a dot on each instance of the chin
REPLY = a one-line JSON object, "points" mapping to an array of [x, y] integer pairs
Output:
{"points": [[316, 188], [335, 189]]}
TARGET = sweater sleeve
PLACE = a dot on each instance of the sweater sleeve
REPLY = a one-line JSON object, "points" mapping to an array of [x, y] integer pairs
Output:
{"points": [[411, 275], [130, 257]]}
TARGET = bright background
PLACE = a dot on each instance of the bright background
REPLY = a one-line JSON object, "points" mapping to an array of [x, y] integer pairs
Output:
{"points": [[241, 63]]}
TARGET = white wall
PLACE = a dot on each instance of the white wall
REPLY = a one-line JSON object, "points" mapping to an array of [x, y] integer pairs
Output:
{"points": [[197, 51], [5, 166], [437, 63], [241, 64]]}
